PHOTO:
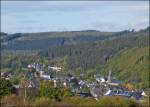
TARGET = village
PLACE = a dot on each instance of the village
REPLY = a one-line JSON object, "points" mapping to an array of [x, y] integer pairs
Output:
{"points": [[102, 86]]}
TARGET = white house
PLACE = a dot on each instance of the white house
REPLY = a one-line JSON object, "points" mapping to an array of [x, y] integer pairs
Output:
{"points": [[55, 68]]}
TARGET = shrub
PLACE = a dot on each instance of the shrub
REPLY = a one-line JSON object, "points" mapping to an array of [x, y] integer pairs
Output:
{"points": [[117, 101], [13, 100], [5, 87], [146, 102], [47, 90], [43, 101], [79, 101]]}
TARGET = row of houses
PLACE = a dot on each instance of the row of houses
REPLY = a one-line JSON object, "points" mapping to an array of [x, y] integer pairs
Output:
{"points": [[102, 86]]}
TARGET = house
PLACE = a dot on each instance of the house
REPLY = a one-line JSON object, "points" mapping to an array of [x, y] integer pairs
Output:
{"points": [[124, 93], [46, 77], [84, 91], [31, 88], [73, 84], [36, 66], [34, 83], [75, 88], [65, 84], [16, 86], [57, 83], [101, 80], [115, 83], [127, 94], [81, 82], [143, 94], [108, 92], [96, 92], [55, 68], [40, 74], [90, 84], [7, 75], [137, 95], [84, 94]]}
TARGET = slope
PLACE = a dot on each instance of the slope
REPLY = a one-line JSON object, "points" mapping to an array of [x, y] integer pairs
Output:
{"points": [[131, 65]]}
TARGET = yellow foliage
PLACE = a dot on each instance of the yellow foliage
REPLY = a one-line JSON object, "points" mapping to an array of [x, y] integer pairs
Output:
{"points": [[129, 86]]}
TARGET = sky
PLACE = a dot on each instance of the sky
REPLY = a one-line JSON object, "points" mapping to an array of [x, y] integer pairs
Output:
{"points": [[44, 16]]}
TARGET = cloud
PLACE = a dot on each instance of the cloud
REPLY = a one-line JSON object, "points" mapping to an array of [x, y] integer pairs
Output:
{"points": [[103, 25], [109, 26], [33, 6], [141, 24], [71, 15], [65, 6]]}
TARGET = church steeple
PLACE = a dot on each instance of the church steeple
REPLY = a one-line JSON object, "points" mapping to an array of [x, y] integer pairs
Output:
{"points": [[109, 76]]}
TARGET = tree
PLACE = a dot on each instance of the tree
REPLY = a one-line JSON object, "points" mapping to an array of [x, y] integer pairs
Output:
{"points": [[5, 87], [47, 89], [130, 86], [15, 80], [65, 63], [24, 84]]}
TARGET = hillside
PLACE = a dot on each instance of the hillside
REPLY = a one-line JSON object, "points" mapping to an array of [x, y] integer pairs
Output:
{"points": [[87, 55], [131, 65], [42, 40]]}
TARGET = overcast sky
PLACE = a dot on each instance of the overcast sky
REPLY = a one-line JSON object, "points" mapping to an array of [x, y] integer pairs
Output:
{"points": [[42, 16]]}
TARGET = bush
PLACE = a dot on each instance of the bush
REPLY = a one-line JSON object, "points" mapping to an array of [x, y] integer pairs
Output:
{"points": [[117, 101], [79, 101], [47, 90], [13, 100], [146, 102], [5, 87], [43, 101]]}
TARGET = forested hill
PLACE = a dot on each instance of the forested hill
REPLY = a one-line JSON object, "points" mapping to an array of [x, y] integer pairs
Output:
{"points": [[126, 55], [43, 40], [33, 41], [96, 53]]}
